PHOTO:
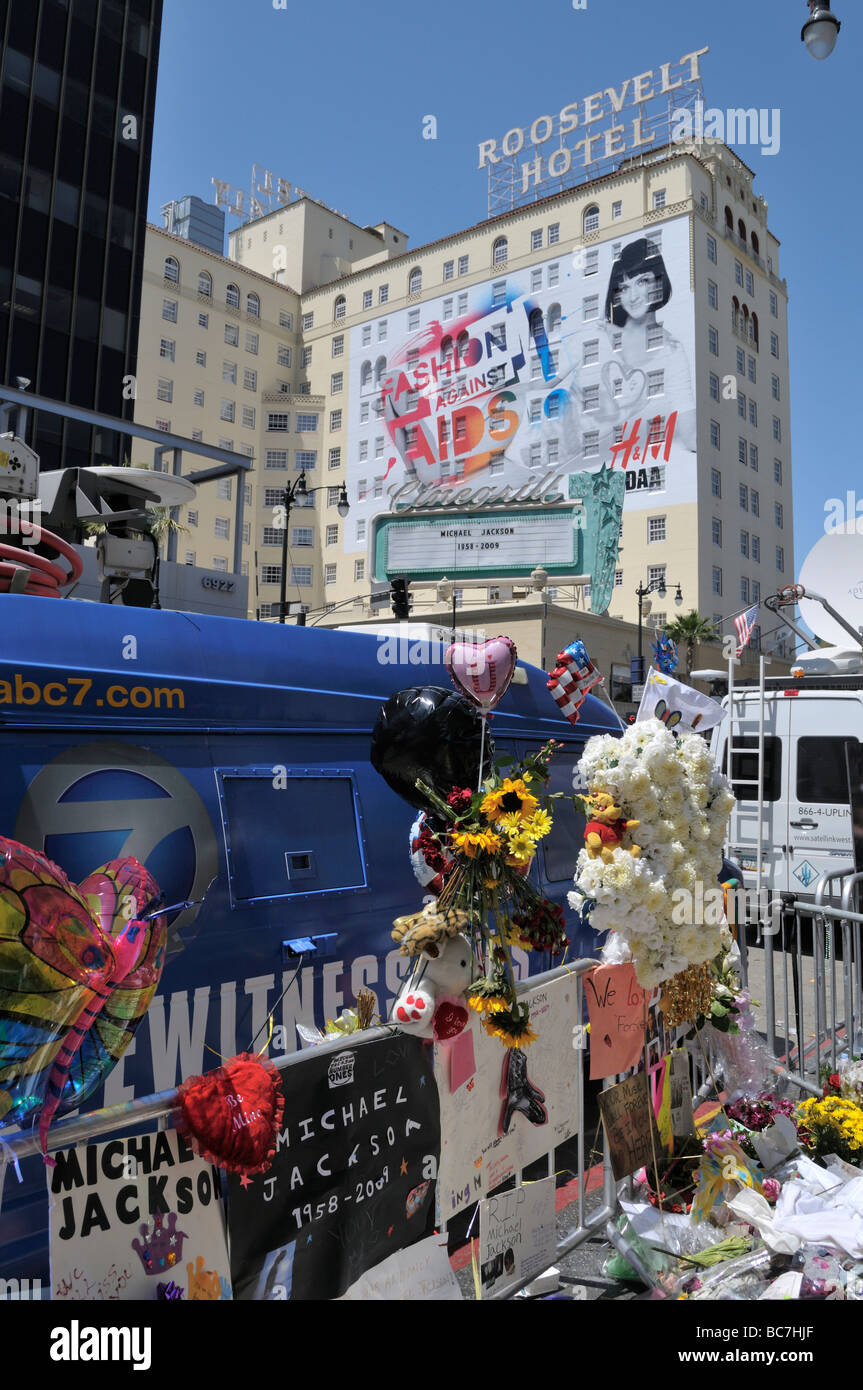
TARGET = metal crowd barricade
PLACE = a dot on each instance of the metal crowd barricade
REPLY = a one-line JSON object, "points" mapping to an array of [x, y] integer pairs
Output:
{"points": [[157, 1109]]}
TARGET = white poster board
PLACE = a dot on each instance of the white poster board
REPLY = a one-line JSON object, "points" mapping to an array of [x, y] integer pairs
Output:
{"points": [[420, 1272], [516, 1236]]}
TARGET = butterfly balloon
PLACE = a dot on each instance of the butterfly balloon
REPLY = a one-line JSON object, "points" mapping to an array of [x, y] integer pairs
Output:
{"points": [[79, 966]]}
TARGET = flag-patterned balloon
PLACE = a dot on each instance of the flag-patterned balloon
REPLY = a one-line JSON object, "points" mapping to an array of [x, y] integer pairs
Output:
{"points": [[572, 678]]}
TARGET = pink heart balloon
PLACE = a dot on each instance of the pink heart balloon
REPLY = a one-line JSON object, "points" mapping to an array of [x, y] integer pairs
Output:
{"points": [[482, 671]]}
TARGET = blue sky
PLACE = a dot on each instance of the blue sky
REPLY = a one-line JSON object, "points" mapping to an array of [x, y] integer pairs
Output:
{"points": [[332, 97]]}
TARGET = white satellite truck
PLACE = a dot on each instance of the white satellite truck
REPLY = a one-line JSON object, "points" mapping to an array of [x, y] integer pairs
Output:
{"points": [[787, 738]]}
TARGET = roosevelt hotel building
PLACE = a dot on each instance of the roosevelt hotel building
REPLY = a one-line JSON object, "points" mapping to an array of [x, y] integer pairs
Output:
{"points": [[279, 350]]}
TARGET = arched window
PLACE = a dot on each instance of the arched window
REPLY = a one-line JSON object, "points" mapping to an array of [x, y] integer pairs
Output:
{"points": [[755, 329], [500, 251], [755, 246], [380, 368], [735, 312], [340, 307], [729, 220], [172, 270], [535, 324], [552, 320], [462, 343], [446, 349], [365, 376], [253, 306], [205, 284], [590, 221], [741, 229], [232, 296], [415, 280]]}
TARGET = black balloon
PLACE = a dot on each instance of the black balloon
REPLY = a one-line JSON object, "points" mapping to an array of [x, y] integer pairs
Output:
{"points": [[431, 733]]}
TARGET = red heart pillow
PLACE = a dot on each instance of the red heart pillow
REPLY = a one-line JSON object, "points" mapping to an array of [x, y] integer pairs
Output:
{"points": [[232, 1116], [450, 1019]]}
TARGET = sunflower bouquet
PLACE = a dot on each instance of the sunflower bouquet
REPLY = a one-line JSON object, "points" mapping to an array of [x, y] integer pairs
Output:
{"points": [[492, 834]]}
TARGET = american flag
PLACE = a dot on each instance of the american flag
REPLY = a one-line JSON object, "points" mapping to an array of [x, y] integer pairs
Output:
{"points": [[744, 625]]}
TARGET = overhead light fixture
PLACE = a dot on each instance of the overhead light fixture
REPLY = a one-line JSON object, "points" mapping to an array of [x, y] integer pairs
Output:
{"points": [[820, 31]]}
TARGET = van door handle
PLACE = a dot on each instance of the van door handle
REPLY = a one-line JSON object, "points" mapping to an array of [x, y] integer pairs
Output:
{"points": [[804, 824]]}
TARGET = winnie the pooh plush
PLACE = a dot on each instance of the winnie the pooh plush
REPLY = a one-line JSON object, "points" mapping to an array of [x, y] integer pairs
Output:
{"points": [[604, 831]]}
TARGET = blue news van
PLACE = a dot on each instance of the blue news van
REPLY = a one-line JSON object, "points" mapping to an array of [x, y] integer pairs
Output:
{"points": [[234, 756]]}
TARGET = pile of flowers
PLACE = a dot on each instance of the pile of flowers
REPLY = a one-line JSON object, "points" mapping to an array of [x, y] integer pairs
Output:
{"points": [[757, 1112], [846, 1082], [492, 835], [670, 786], [832, 1125]]}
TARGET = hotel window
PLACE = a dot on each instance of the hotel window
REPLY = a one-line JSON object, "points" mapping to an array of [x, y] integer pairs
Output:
{"points": [[741, 451], [190, 557], [203, 320], [248, 417], [591, 263], [753, 457], [744, 544], [169, 310], [618, 579], [498, 294], [378, 489], [777, 428], [754, 502], [172, 270], [591, 219], [659, 198], [462, 303], [192, 517], [337, 348], [361, 530], [382, 330], [278, 420], [780, 559], [463, 264], [590, 444], [413, 320], [713, 294], [738, 274], [306, 357], [200, 359], [751, 369], [229, 372], [756, 549], [777, 471], [774, 387], [306, 424], [222, 528], [247, 532], [167, 349], [228, 411], [616, 211], [305, 460], [253, 305], [535, 455], [362, 489], [750, 282], [656, 383], [232, 334], [337, 382], [753, 413], [534, 410], [205, 284], [383, 294], [778, 514], [329, 574], [270, 574], [741, 361], [553, 233], [744, 589], [308, 321], [276, 458], [711, 249], [656, 528], [743, 493], [364, 413], [367, 299], [332, 537], [286, 320], [334, 459], [554, 275], [379, 447], [536, 280], [335, 419], [590, 398], [714, 433], [717, 580], [447, 309], [302, 535], [774, 305], [164, 389], [714, 387], [713, 340], [232, 297], [656, 574], [774, 345], [333, 495], [283, 355], [716, 482], [273, 496], [359, 570], [226, 444], [250, 379], [364, 449], [717, 531], [590, 353], [741, 405], [590, 308], [301, 575], [655, 337], [552, 451], [448, 270]]}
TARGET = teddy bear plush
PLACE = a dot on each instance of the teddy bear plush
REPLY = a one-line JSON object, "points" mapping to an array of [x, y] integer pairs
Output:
{"points": [[604, 831]]}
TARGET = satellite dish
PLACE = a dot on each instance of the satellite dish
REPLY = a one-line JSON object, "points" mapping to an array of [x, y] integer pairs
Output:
{"points": [[834, 569], [158, 489]]}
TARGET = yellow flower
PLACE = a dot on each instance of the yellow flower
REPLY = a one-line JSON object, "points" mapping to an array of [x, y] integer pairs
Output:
{"points": [[512, 798], [539, 824], [488, 1003], [510, 1032], [474, 842], [521, 848], [512, 822]]}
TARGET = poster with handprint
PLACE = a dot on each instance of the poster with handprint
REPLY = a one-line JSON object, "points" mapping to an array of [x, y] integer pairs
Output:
{"points": [[137, 1218]]}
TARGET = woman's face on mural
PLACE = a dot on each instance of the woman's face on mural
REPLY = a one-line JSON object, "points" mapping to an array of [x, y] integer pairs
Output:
{"points": [[639, 294]]}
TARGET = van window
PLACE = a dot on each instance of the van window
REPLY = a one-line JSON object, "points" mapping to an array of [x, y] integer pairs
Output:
{"points": [[566, 838], [745, 767], [290, 835], [821, 770]]}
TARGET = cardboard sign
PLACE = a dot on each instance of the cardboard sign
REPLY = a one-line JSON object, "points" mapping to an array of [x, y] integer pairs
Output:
{"points": [[672, 1098], [617, 1008], [517, 1235], [133, 1213], [517, 1106], [422, 1272], [633, 1139], [353, 1176]]}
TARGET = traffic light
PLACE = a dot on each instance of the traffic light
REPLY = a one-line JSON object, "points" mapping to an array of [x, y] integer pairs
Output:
{"points": [[400, 600]]}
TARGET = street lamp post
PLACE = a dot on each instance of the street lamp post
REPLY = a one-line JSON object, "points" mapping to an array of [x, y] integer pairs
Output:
{"points": [[820, 31], [658, 587], [298, 489]]}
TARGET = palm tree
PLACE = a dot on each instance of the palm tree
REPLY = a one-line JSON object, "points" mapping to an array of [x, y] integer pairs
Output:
{"points": [[691, 629]]}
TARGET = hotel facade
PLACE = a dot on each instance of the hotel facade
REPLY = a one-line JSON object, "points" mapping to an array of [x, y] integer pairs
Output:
{"points": [[461, 392]]}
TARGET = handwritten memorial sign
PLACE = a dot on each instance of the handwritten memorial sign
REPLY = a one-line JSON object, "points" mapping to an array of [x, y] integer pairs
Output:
{"points": [[352, 1180], [422, 1272], [133, 1213], [517, 1235], [617, 1008], [672, 1098], [516, 1106], [633, 1139]]}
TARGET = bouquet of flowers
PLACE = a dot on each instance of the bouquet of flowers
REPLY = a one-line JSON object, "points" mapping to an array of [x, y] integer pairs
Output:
{"points": [[832, 1125], [847, 1081], [682, 805], [488, 842]]}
